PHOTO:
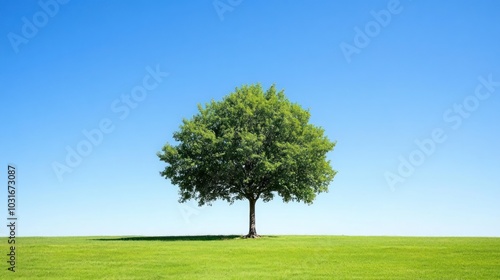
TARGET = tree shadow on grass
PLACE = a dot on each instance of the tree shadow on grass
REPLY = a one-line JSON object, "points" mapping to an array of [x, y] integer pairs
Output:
{"points": [[173, 238]]}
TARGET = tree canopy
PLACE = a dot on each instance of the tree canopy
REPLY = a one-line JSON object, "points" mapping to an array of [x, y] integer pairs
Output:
{"points": [[254, 144]]}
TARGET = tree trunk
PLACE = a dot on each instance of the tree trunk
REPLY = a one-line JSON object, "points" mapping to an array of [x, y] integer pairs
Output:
{"points": [[252, 232]]}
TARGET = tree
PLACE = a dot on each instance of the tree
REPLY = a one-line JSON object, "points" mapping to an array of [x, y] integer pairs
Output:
{"points": [[251, 145]]}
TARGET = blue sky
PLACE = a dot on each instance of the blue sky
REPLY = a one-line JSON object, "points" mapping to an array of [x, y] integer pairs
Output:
{"points": [[378, 76]]}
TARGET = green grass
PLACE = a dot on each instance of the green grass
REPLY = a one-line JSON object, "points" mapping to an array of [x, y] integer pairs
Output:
{"points": [[271, 257]]}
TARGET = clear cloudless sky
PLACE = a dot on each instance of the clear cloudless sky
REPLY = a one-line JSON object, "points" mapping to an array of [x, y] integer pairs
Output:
{"points": [[66, 68]]}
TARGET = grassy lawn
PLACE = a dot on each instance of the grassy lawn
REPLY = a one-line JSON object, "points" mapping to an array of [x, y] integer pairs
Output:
{"points": [[271, 257]]}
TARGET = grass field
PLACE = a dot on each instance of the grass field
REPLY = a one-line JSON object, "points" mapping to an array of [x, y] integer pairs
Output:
{"points": [[271, 257]]}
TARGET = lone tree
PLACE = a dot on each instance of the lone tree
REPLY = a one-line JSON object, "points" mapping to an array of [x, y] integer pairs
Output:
{"points": [[251, 145]]}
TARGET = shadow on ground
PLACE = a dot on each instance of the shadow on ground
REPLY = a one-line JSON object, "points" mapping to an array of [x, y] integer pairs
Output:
{"points": [[173, 238]]}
